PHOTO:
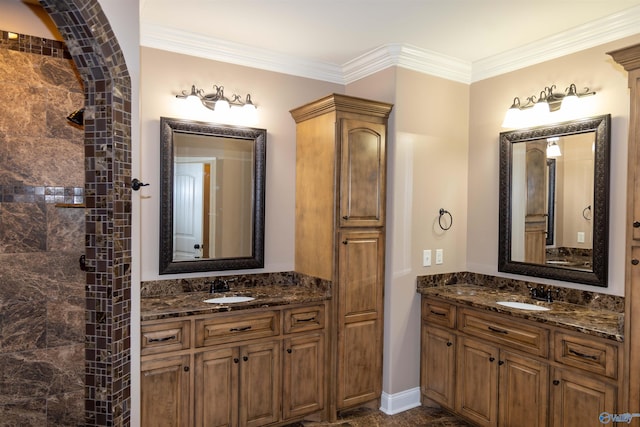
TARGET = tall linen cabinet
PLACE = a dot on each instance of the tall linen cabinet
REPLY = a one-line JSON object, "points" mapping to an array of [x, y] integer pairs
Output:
{"points": [[340, 233]]}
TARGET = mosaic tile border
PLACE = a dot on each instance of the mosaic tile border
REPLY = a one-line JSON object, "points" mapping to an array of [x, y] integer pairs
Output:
{"points": [[41, 194], [32, 44], [107, 142]]}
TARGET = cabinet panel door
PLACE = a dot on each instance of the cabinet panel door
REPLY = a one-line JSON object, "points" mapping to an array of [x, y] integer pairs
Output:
{"points": [[524, 391], [360, 271], [304, 379], [260, 384], [360, 289], [216, 388], [578, 400], [477, 382], [359, 363], [164, 388], [438, 365], [362, 173]]}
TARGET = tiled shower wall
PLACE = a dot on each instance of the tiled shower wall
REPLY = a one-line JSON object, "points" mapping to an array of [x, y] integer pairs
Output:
{"points": [[42, 300]]}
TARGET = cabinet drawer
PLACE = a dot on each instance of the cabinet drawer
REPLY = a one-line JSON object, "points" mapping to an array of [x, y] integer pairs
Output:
{"points": [[588, 354], [439, 313], [498, 329], [304, 319], [165, 336], [238, 327]]}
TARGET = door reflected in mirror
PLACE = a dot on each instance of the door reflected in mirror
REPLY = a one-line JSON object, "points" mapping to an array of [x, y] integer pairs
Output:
{"points": [[554, 194], [212, 197]]}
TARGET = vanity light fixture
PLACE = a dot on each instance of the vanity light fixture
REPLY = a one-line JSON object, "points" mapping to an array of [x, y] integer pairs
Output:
{"points": [[223, 107], [536, 109], [553, 149]]}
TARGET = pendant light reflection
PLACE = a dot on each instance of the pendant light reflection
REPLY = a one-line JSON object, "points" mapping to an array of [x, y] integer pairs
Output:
{"points": [[553, 149]]}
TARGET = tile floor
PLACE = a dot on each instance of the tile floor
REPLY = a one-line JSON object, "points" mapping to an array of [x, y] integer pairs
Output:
{"points": [[416, 417]]}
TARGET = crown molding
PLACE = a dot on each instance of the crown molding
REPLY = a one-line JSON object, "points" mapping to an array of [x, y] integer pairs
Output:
{"points": [[178, 41], [409, 57], [607, 29], [610, 28]]}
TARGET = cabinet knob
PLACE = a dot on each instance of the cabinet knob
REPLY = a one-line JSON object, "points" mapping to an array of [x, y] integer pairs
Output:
{"points": [[636, 224], [635, 261], [289, 350], [245, 358], [236, 360], [556, 382], [344, 242], [186, 368], [449, 343], [345, 217], [491, 359], [500, 362]]}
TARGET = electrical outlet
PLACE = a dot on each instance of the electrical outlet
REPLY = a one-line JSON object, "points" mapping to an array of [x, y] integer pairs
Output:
{"points": [[426, 258], [439, 256], [580, 236]]}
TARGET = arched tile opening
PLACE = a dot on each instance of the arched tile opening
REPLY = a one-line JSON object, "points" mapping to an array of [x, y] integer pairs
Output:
{"points": [[99, 59]]}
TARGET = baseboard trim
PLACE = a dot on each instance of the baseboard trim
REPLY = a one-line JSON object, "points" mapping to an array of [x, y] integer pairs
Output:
{"points": [[395, 403]]}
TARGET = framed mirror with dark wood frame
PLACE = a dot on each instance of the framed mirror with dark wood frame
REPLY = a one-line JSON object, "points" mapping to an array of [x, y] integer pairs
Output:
{"points": [[212, 196], [554, 208]]}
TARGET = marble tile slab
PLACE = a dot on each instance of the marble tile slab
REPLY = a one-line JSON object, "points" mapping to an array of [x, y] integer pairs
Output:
{"points": [[22, 227], [41, 373]]}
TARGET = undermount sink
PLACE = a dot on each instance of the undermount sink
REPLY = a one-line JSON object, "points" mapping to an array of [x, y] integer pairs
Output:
{"points": [[228, 300], [523, 305]]}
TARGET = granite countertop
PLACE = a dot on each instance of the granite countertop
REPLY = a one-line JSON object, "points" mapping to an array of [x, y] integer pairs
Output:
{"points": [[597, 322], [191, 303]]}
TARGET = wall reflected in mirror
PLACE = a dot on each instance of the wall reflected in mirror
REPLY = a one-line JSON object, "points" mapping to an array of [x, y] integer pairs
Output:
{"points": [[554, 192], [212, 196]]}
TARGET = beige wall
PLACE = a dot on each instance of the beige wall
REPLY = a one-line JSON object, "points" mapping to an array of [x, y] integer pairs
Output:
{"points": [[427, 170], [489, 100], [165, 74]]}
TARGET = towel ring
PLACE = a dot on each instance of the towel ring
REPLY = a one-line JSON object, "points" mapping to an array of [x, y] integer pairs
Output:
{"points": [[444, 212], [586, 213]]}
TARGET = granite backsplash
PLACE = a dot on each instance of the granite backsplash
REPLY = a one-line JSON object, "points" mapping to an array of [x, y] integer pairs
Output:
{"points": [[593, 300], [159, 288]]}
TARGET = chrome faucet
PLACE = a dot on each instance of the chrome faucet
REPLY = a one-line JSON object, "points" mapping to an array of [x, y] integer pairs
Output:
{"points": [[541, 293]]}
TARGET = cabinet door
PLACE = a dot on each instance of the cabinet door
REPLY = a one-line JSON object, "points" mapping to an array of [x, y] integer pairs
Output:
{"points": [[438, 365], [260, 384], [362, 173], [523, 391], [165, 392], [360, 290], [216, 388], [578, 399], [304, 379], [477, 382]]}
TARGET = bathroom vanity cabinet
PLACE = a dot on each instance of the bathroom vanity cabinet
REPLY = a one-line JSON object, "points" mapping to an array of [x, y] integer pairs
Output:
{"points": [[250, 367], [340, 232], [496, 370]]}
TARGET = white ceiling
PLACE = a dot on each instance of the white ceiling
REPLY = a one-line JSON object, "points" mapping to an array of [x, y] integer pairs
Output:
{"points": [[343, 40]]}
